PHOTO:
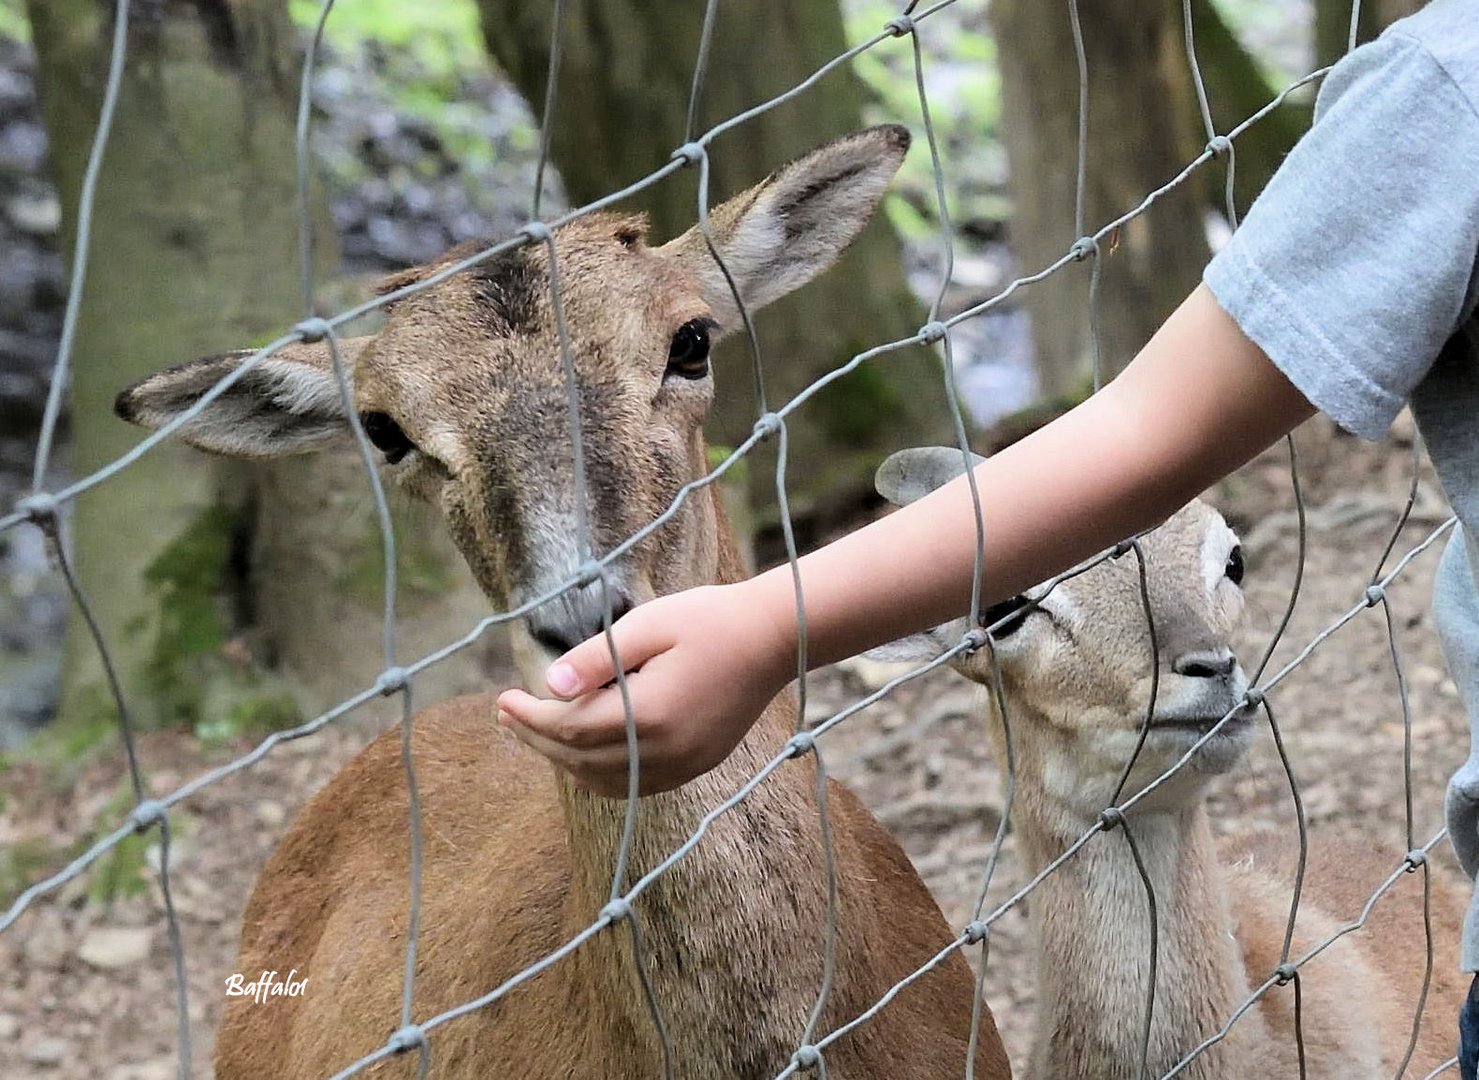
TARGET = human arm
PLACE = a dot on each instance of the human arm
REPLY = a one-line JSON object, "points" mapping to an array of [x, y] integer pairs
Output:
{"points": [[1198, 401]]}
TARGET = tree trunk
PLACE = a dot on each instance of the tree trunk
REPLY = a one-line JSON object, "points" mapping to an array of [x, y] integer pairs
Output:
{"points": [[1236, 89], [1140, 135], [1333, 23], [623, 98], [224, 598]]}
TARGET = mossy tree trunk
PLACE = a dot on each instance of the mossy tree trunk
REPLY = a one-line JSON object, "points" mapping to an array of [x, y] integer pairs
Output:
{"points": [[1141, 133], [222, 595], [623, 98]]}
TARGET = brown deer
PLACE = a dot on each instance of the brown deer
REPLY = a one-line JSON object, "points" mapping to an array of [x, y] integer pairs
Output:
{"points": [[1075, 666], [462, 391]]}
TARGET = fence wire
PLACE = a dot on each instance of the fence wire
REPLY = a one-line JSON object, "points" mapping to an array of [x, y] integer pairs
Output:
{"points": [[45, 510]]}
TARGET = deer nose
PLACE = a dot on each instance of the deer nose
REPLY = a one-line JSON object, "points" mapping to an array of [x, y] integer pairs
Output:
{"points": [[1206, 664], [574, 621]]}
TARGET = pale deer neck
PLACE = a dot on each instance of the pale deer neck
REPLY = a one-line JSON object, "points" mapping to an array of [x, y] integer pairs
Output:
{"points": [[1092, 923], [708, 913]]}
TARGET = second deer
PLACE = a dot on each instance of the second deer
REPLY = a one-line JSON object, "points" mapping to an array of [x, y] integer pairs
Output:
{"points": [[1075, 666]]}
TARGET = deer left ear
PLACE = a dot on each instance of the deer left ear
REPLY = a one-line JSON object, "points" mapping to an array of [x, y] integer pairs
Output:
{"points": [[791, 226], [287, 403], [908, 475]]}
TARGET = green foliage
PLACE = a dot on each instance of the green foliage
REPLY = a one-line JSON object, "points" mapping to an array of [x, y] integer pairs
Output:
{"points": [[443, 37], [13, 22]]}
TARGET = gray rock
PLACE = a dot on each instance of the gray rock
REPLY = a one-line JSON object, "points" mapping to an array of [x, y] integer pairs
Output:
{"points": [[47, 1053], [110, 948]]}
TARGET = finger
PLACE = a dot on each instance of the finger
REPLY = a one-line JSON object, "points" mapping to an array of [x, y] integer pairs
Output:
{"points": [[596, 720], [588, 666], [603, 770]]}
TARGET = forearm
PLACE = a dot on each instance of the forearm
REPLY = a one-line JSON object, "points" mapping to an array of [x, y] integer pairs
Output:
{"points": [[1198, 401]]}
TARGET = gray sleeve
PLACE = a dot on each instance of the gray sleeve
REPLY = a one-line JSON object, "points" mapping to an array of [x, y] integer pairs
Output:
{"points": [[1353, 267]]}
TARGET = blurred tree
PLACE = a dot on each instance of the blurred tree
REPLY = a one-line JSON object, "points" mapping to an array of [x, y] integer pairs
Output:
{"points": [[1139, 81], [1333, 23], [622, 104], [208, 579], [1141, 132]]}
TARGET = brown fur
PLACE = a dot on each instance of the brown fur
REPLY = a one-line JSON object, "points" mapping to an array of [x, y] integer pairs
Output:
{"points": [[516, 860]]}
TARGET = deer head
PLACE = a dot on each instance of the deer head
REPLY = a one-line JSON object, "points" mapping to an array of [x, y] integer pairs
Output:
{"points": [[1076, 659], [463, 391]]}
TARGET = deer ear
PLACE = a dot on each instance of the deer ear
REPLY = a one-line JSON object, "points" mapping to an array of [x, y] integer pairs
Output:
{"points": [[909, 475], [791, 226], [287, 403]]}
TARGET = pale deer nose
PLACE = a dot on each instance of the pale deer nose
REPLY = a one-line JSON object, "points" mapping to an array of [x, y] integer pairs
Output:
{"points": [[1206, 664], [565, 627]]}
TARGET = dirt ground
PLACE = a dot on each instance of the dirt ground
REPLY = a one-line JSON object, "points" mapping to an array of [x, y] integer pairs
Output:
{"points": [[87, 993]]}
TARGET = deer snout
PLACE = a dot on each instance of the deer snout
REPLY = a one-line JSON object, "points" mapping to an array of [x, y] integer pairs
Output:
{"points": [[566, 621], [1206, 664]]}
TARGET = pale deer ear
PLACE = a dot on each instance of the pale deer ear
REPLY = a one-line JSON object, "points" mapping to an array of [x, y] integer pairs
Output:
{"points": [[288, 403], [912, 649], [908, 475], [791, 226]]}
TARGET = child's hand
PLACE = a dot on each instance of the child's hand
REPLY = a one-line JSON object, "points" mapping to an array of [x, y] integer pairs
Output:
{"points": [[710, 660]]}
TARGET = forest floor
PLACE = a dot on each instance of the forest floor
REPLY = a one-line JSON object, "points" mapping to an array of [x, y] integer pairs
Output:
{"points": [[87, 991]]}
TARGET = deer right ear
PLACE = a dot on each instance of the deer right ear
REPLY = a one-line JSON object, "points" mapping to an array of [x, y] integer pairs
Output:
{"points": [[288, 403], [791, 226], [908, 475]]}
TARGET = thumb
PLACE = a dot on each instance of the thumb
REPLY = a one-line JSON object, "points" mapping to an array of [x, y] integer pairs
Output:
{"points": [[589, 666]]}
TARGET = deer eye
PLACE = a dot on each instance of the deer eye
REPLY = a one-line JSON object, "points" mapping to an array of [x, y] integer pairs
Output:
{"points": [[688, 355], [1014, 609], [386, 436], [1235, 567]]}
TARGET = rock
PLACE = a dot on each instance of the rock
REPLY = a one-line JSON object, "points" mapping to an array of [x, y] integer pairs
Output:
{"points": [[271, 814], [39, 215], [10, 1027], [158, 1069], [47, 1053], [110, 948], [45, 947]]}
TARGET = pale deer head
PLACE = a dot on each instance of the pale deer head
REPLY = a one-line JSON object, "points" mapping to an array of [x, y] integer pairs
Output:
{"points": [[462, 390], [1075, 660]]}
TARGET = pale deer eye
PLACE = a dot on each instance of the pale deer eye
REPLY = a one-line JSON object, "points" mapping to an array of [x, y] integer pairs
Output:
{"points": [[688, 355], [1235, 567], [1014, 609], [386, 436]]}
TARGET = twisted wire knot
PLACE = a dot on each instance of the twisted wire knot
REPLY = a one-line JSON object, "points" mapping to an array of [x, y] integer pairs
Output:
{"points": [[768, 424], [313, 330], [1415, 858], [1083, 247], [900, 26], [976, 932], [407, 1038], [1111, 818], [392, 680], [932, 332], [690, 153], [807, 1057], [1285, 973], [1375, 594], [801, 744], [1219, 146], [617, 910], [537, 231], [41, 507], [147, 813]]}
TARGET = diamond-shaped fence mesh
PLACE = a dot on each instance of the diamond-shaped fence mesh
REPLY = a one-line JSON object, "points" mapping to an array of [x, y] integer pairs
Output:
{"points": [[414, 1032]]}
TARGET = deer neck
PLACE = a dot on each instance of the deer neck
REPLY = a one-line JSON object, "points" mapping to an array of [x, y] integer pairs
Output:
{"points": [[715, 945], [1092, 923]]}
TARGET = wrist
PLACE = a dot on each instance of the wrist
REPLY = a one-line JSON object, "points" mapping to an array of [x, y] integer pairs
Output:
{"points": [[769, 604]]}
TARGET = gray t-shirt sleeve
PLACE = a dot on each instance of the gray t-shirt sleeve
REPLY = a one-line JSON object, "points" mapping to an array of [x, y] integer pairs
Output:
{"points": [[1352, 268]]}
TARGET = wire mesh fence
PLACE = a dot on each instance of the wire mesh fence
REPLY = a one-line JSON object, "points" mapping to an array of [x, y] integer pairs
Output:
{"points": [[412, 1032]]}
